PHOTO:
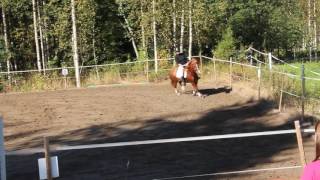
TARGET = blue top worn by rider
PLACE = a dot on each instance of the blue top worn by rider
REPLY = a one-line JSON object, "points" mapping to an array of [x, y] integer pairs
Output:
{"points": [[181, 58]]}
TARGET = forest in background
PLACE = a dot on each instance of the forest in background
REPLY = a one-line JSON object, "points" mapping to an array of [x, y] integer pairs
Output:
{"points": [[37, 34]]}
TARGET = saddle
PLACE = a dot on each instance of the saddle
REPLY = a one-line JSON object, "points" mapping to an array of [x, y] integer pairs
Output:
{"points": [[181, 72]]}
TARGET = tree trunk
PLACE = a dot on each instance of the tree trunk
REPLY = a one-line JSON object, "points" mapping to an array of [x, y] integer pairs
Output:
{"points": [[155, 38], [6, 43], [190, 29], [41, 40], [315, 29], [142, 28], [182, 28], [309, 30], [129, 30], [74, 44], [174, 26], [46, 42], [36, 34], [309, 17], [94, 53], [131, 37]]}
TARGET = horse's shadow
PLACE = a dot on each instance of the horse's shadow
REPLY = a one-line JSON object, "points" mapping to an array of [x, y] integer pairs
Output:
{"points": [[209, 92], [212, 91]]}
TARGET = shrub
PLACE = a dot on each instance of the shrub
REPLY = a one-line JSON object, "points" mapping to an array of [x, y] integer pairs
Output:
{"points": [[226, 47]]}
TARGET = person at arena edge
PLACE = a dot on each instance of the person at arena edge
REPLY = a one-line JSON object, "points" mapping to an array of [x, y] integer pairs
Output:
{"points": [[182, 62], [312, 170]]}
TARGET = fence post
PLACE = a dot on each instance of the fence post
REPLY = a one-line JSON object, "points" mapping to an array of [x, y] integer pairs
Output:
{"points": [[65, 82], [281, 91], [302, 92], [156, 64], [2, 152], [9, 79], [47, 157], [201, 62], [214, 69], [270, 71], [280, 100], [270, 61], [147, 69], [259, 81], [300, 143], [97, 72], [230, 72]]}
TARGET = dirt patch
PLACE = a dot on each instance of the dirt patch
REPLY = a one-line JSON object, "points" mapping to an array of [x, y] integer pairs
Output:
{"points": [[143, 112]]}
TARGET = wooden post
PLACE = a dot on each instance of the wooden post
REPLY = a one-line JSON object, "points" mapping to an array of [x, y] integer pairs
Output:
{"points": [[270, 61], [47, 157], [2, 153], [214, 69], [300, 143], [259, 81], [270, 72], [280, 100], [302, 92], [148, 70], [65, 82], [201, 62], [281, 91], [230, 72]]}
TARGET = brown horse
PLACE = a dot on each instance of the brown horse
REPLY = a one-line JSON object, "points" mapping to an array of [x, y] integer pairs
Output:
{"points": [[193, 76]]}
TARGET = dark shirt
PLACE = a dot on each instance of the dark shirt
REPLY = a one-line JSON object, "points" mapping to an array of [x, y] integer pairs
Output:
{"points": [[181, 58]]}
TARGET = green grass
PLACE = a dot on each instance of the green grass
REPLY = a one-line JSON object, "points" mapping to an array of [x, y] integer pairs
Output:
{"points": [[312, 86], [309, 66]]}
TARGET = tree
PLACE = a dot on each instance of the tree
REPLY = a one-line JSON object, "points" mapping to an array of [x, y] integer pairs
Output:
{"points": [[190, 29], [5, 38], [154, 37], [36, 39], [227, 46], [75, 44]]}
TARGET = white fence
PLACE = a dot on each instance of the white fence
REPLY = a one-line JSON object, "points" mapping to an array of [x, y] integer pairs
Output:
{"points": [[296, 131]]}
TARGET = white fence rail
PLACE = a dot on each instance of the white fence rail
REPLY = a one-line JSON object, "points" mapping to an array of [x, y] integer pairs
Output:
{"points": [[160, 141], [187, 139]]}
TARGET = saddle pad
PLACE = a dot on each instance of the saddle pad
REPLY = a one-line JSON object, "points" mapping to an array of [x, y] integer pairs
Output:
{"points": [[179, 73]]}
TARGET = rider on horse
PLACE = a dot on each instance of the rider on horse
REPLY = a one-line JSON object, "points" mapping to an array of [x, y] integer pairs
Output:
{"points": [[182, 61]]}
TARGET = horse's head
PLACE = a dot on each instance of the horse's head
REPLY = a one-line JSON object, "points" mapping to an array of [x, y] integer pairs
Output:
{"points": [[194, 65]]}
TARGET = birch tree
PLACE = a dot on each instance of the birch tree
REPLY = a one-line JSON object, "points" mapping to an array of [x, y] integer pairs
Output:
{"points": [[174, 16], [6, 43], [315, 30], [36, 39], [74, 44], [154, 37], [143, 37], [309, 30], [182, 28], [128, 29], [41, 39], [190, 29]]}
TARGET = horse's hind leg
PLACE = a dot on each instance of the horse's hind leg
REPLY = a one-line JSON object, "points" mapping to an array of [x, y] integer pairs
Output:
{"points": [[196, 91]]}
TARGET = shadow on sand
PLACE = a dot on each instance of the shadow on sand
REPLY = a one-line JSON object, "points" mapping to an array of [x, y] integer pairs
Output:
{"points": [[166, 160]]}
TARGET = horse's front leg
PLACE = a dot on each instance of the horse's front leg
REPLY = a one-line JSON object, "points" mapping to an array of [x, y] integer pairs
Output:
{"points": [[196, 91], [174, 84]]}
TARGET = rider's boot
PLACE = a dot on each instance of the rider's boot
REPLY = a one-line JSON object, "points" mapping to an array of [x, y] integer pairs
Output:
{"points": [[183, 87]]}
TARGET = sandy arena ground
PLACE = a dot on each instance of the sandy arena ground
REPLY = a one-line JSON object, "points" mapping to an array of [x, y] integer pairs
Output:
{"points": [[145, 112]]}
